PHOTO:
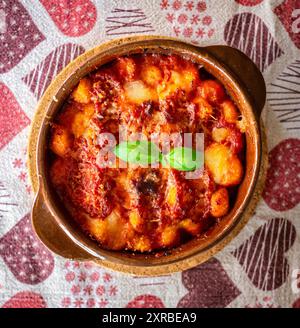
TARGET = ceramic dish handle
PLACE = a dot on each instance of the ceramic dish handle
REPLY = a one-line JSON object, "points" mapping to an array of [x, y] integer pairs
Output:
{"points": [[246, 72], [51, 234]]}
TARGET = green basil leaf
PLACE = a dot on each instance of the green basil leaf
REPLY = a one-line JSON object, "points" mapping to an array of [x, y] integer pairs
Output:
{"points": [[141, 152], [185, 159], [163, 161]]}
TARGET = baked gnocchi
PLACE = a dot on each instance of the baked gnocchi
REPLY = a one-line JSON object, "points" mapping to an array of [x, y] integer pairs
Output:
{"points": [[145, 209]]}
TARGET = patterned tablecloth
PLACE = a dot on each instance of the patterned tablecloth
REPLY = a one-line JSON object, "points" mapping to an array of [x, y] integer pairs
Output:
{"points": [[259, 268]]}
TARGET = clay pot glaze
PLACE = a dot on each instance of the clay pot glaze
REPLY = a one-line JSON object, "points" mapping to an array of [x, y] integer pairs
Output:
{"points": [[60, 233]]}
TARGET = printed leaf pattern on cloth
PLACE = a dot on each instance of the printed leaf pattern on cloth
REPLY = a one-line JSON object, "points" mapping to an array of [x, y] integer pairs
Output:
{"points": [[248, 33], [72, 17], [282, 189], [208, 285], [26, 300], [12, 118], [127, 21], [262, 256], [29, 261], [18, 34], [146, 301], [188, 19], [289, 14], [284, 96], [40, 77]]}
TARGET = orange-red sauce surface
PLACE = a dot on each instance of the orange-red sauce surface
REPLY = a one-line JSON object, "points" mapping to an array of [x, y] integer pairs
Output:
{"points": [[146, 209]]}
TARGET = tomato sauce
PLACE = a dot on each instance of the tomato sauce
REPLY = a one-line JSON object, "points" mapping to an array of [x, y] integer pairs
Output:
{"points": [[137, 208]]}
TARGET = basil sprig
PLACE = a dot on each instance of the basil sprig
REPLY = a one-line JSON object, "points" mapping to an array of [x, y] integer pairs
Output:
{"points": [[144, 152], [185, 159], [137, 152]]}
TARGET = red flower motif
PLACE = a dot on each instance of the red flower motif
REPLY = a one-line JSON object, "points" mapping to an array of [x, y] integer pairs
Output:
{"points": [[211, 33], [164, 4], [23, 176], [95, 276], [90, 303], [103, 303], [182, 19], [195, 19], [177, 4], [112, 290], [201, 6], [76, 264], [66, 301], [176, 30], [100, 290], [82, 276], [17, 163], [189, 5], [188, 32], [75, 289], [78, 302], [87, 290], [200, 33], [107, 277], [207, 20], [67, 264], [70, 276], [170, 18]]}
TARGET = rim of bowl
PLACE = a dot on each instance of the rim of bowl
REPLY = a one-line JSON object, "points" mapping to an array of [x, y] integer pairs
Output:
{"points": [[200, 55]]}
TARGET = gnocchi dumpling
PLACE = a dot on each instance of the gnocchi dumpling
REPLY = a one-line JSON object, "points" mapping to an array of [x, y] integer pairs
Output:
{"points": [[183, 80], [61, 140], [219, 202], [151, 75], [229, 111], [113, 232], [126, 67], [141, 244], [225, 167], [136, 220], [220, 134], [169, 236], [82, 93], [81, 120], [137, 92], [203, 108], [212, 91], [189, 226]]}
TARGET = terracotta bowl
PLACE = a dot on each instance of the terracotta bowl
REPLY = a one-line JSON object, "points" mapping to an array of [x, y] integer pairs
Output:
{"points": [[59, 232]]}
